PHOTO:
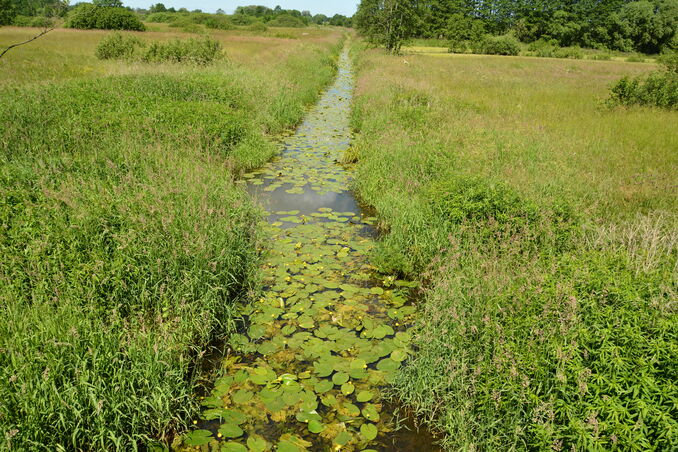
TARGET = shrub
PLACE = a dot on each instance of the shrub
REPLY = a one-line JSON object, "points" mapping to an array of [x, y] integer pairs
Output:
{"points": [[117, 46], [659, 89], [498, 45], [569, 52], [600, 56], [195, 51], [285, 20], [242, 19], [161, 17], [219, 23], [87, 16], [258, 27], [635, 59]]}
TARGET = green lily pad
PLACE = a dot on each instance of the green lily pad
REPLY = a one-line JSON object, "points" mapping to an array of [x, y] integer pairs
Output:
{"points": [[364, 396], [388, 365], [234, 447], [342, 438], [198, 438], [256, 443], [340, 378], [369, 431], [399, 355], [230, 431], [347, 388], [376, 290], [316, 426], [323, 386], [370, 413]]}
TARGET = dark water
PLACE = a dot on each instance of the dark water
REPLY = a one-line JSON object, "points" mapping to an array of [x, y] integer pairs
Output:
{"points": [[329, 332]]}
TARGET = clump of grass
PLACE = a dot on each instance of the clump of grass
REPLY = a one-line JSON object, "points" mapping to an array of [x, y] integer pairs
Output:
{"points": [[195, 51], [202, 51], [548, 318]]}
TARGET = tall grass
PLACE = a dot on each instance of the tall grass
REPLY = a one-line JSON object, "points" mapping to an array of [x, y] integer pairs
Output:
{"points": [[124, 242], [542, 223]]}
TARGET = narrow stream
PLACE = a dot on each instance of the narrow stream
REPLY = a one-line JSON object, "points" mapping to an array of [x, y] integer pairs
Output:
{"points": [[329, 332]]}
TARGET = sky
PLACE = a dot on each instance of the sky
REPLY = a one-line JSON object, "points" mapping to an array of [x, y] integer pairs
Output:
{"points": [[326, 7]]}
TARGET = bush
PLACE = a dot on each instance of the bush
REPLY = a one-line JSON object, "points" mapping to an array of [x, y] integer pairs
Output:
{"points": [[258, 27], [117, 46], [195, 51], [569, 52], [161, 17], [219, 23], [600, 56], [37, 22], [635, 59], [659, 89], [498, 45], [87, 16], [285, 20]]}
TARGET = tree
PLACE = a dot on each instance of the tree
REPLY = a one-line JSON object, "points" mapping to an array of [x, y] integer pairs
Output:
{"points": [[107, 3], [157, 8], [221, 12], [388, 22], [7, 12]]}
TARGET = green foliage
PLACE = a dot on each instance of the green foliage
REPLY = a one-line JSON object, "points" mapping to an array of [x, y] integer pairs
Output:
{"points": [[125, 244], [498, 45], [548, 321], [117, 47], [39, 21], [258, 27], [648, 26], [7, 12], [88, 16], [195, 51], [387, 22], [659, 89], [218, 22], [161, 17], [286, 20]]}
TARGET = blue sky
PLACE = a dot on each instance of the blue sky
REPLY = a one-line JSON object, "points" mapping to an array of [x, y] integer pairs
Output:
{"points": [[327, 7]]}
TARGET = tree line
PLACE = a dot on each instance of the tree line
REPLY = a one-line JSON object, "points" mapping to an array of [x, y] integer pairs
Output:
{"points": [[648, 26]]}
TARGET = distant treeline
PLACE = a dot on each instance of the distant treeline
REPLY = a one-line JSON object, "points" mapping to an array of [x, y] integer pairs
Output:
{"points": [[647, 26], [17, 11]]}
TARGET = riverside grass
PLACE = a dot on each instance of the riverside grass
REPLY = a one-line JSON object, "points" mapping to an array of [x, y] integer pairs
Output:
{"points": [[124, 242], [543, 223]]}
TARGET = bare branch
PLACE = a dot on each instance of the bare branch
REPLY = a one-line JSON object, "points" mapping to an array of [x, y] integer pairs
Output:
{"points": [[44, 32]]}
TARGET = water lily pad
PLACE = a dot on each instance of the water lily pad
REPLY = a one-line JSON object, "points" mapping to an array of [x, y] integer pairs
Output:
{"points": [[316, 426], [343, 438], [323, 386], [340, 378], [370, 413], [369, 431], [364, 396], [256, 443], [235, 447], [399, 355], [376, 290], [388, 365], [347, 389], [233, 417], [198, 438], [230, 431]]}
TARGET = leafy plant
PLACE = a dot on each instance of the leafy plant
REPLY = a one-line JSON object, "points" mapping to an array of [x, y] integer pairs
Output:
{"points": [[89, 16], [117, 46], [498, 45], [196, 51]]}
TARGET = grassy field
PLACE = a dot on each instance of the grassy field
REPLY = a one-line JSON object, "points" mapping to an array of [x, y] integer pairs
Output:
{"points": [[123, 239], [544, 225]]}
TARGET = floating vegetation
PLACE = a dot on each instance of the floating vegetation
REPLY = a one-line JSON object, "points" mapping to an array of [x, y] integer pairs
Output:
{"points": [[324, 337]]}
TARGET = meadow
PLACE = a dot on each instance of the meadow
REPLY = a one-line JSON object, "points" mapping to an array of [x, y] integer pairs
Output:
{"points": [[543, 225], [125, 242]]}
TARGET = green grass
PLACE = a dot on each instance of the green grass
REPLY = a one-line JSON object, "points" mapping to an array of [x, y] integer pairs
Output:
{"points": [[543, 224], [125, 243]]}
